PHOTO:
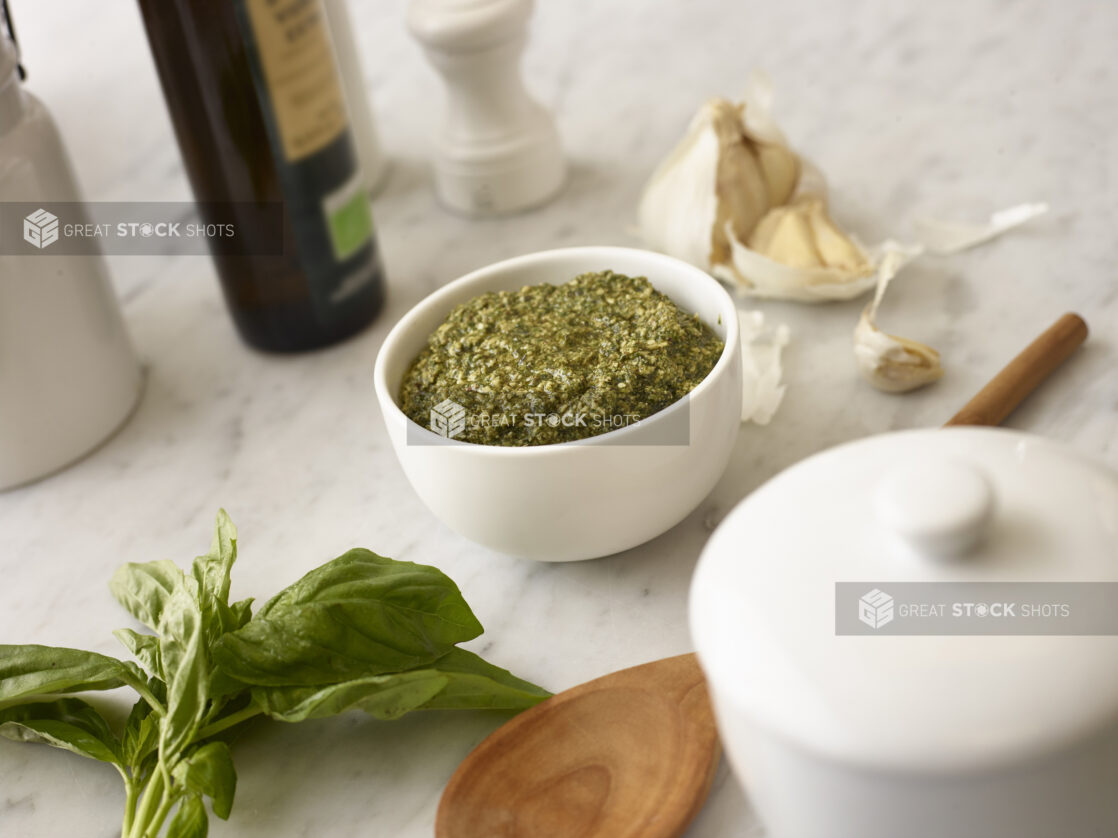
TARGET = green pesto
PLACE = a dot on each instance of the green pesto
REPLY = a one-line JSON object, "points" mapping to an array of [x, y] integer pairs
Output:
{"points": [[555, 363]]}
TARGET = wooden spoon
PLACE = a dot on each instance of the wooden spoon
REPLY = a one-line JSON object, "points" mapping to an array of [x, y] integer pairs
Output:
{"points": [[1024, 373], [633, 754], [629, 755]]}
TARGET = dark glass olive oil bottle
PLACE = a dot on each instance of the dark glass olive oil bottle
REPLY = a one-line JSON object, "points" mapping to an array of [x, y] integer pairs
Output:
{"points": [[257, 105]]}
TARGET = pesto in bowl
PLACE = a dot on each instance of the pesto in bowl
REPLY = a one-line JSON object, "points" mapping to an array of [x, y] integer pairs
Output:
{"points": [[557, 363]]}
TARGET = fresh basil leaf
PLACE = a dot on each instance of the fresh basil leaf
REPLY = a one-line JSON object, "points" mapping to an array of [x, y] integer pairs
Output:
{"points": [[145, 589], [39, 670], [190, 819], [165, 599], [384, 696], [242, 612], [475, 684], [228, 619], [218, 618], [69, 723], [358, 615], [459, 680], [141, 735], [212, 570], [158, 689], [144, 647], [222, 686], [209, 770], [186, 668]]}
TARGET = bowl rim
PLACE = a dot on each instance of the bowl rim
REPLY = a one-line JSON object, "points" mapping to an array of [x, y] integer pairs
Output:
{"points": [[712, 287]]}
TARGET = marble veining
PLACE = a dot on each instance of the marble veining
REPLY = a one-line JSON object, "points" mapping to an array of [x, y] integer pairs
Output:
{"points": [[957, 107]]}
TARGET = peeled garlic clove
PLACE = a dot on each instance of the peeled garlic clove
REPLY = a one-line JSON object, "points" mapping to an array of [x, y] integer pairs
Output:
{"points": [[802, 235], [890, 363], [836, 249], [785, 236], [753, 177], [781, 168], [740, 186]]}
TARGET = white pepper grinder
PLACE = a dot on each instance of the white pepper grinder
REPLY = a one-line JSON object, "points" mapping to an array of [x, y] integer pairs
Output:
{"points": [[498, 151]]}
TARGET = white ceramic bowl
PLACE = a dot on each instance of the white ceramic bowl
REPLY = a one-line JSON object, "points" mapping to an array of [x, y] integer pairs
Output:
{"points": [[583, 499]]}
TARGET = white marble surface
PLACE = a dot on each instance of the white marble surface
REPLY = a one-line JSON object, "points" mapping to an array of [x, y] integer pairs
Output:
{"points": [[961, 105]]}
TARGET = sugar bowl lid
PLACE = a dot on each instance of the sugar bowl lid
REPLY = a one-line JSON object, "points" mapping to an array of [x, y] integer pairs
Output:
{"points": [[809, 606]]}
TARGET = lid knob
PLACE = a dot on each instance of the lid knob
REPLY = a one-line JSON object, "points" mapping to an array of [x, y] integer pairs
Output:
{"points": [[940, 509]]}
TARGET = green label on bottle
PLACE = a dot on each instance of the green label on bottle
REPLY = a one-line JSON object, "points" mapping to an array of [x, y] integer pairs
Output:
{"points": [[348, 218]]}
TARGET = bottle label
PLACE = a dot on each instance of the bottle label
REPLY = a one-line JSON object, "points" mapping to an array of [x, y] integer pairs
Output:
{"points": [[300, 92], [348, 217], [302, 79]]}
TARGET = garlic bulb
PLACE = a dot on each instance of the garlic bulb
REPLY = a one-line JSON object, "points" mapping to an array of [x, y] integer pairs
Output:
{"points": [[890, 363], [735, 200], [714, 186]]}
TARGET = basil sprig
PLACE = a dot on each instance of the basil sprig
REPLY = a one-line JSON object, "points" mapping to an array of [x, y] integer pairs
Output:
{"points": [[361, 632]]}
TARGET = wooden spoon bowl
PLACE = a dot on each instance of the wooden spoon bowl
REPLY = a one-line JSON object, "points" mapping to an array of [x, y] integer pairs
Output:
{"points": [[629, 755]]}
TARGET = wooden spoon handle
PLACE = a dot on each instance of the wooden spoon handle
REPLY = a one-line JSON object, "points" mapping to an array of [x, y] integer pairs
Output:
{"points": [[1024, 373]]}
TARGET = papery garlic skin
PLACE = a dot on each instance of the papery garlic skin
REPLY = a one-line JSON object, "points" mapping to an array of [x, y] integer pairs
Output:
{"points": [[940, 236], [890, 363], [762, 390], [678, 208]]}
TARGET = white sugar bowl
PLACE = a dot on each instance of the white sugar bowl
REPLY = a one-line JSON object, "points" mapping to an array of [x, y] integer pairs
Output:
{"points": [[882, 733]]}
